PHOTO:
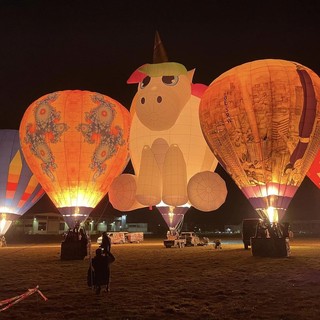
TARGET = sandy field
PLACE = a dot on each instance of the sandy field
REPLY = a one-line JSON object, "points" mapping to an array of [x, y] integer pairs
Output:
{"points": [[149, 281]]}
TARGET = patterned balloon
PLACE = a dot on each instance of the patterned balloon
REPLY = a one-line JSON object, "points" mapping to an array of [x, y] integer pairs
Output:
{"points": [[19, 188], [76, 143], [262, 121], [314, 171]]}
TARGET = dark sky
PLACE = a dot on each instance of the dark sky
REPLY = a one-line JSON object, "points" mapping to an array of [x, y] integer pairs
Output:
{"points": [[95, 45]]}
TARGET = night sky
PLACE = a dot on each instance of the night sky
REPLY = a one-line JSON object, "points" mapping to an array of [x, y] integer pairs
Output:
{"points": [[95, 45]]}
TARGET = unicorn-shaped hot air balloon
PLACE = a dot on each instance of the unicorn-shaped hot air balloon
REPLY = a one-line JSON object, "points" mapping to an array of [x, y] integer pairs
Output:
{"points": [[173, 164]]}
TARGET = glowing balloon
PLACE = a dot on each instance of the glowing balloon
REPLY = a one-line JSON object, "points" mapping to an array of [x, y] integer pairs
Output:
{"points": [[19, 188], [262, 121], [173, 216], [167, 147], [207, 188], [76, 143], [123, 191], [314, 171]]}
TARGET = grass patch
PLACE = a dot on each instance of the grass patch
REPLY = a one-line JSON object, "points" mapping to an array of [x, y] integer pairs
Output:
{"points": [[149, 281]]}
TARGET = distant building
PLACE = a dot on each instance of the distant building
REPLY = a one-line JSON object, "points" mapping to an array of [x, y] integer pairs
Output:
{"points": [[304, 227], [53, 223], [137, 227], [232, 228], [41, 223]]}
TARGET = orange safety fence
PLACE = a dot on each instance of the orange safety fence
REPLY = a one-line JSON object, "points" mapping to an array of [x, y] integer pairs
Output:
{"points": [[11, 301]]}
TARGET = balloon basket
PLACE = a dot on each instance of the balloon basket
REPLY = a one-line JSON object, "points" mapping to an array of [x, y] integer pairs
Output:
{"points": [[270, 247], [72, 250]]}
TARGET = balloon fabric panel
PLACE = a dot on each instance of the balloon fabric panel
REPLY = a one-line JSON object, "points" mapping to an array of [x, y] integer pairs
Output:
{"points": [[314, 171], [13, 175], [19, 189], [261, 119]]}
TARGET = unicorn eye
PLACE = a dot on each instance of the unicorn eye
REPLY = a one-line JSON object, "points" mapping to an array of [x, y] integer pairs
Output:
{"points": [[170, 80], [145, 82]]}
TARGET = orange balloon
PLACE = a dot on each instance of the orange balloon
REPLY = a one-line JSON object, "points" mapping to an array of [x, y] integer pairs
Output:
{"points": [[76, 143], [262, 121]]}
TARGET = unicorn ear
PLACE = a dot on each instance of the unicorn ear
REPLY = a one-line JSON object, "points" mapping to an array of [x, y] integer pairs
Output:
{"points": [[137, 76], [190, 74], [159, 53]]}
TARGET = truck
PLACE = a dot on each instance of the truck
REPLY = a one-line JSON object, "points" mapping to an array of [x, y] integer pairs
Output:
{"points": [[123, 237], [136, 237], [191, 238], [115, 237], [174, 241], [184, 239]]}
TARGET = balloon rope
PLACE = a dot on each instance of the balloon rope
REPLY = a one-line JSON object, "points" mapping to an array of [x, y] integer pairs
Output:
{"points": [[179, 225], [105, 208], [90, 266]]}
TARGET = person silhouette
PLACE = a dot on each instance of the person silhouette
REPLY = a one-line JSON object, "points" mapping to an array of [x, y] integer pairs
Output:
{"points": [[105, 243], [99, 271]]}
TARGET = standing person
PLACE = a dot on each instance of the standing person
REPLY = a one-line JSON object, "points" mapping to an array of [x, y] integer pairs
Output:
{"points": [[99, 271], [105, 243], [83, 243], [110, 258], [285, 228]]}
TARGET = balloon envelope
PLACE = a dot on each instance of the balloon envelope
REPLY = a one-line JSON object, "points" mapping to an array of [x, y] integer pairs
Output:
{"points": [[19, 188], [261, 119], [167, 146], [173, 216], [314, 171], [75, 142], [122, 193], [207, 190]]}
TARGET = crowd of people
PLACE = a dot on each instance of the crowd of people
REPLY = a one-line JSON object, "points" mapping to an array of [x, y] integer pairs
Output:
{"points": [[79, 237], [267, 230]]}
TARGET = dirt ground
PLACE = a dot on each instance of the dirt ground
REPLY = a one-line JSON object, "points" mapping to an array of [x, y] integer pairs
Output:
{"points": [[149, 281]]}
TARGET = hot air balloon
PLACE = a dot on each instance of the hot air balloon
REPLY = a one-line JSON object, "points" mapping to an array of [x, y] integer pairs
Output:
{"points": [[76, 143], [262, 121], [314, 171], [19, 188], [170, 157]]}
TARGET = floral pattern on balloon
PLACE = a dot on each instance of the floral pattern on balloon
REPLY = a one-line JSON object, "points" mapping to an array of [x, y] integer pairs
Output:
{"points": [[45, 130], [98, 127]]}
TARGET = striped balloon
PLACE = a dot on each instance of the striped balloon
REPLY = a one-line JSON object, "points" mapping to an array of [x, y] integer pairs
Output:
{"points": [[19, 188]]}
